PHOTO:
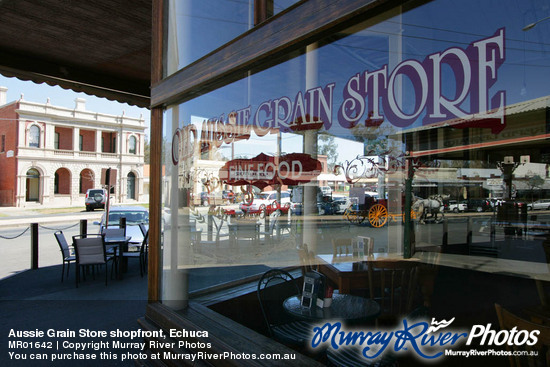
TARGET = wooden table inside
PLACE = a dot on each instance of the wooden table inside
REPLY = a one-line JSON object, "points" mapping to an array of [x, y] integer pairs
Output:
{"points": [[344, 307], [350, 272]]}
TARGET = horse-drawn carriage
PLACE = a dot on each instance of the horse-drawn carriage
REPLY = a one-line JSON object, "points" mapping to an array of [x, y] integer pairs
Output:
{"points": [[377, 213]]}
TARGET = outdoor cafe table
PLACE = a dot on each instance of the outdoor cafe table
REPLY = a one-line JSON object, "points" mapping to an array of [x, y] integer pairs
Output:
{"points": [[121, 245], [240, 230], [344, 307]]}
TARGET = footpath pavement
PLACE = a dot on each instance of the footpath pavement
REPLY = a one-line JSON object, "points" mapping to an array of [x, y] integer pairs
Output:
{"points": [[37, 301]]}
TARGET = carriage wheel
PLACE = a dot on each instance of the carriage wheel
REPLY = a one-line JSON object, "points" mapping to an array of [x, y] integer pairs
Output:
{"points": [[378, 215], [352, 216]]}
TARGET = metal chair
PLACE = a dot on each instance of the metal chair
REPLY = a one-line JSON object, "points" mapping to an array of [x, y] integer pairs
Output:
{"points": [[394, 285], [90, 250], [114, 232], [196, 236], [273, 223], [274, 287], [143, 229], [245, 230], [342, 247], [68, 258], [141, 255]]}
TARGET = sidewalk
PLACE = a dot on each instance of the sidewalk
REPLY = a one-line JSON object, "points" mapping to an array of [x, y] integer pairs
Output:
{"points": [[38, 300]]}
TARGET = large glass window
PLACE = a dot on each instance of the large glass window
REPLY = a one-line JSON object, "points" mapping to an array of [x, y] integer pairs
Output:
{"points": [[383, 131], [198, 27]]}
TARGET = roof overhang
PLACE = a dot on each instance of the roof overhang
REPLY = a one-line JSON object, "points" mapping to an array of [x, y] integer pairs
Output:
{"points": [[100, 47]]}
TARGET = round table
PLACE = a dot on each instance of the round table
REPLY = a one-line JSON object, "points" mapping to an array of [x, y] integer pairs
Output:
{"points": [[344, 307]]}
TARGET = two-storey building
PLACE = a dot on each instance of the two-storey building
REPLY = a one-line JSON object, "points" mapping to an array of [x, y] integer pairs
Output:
{"points": [[52, 155]]}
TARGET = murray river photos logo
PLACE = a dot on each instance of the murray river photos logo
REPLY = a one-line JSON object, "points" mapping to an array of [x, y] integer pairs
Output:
{"points": [[428, 341]]}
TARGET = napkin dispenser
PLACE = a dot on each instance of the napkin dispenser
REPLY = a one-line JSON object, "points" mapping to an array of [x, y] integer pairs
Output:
{"points": [[313, 292]]}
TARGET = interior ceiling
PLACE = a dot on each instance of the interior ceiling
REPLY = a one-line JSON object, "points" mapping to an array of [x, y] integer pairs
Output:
{"points": [[100, 47]]}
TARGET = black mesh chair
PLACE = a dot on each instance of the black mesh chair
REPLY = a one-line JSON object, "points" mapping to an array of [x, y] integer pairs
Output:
{"points": [[141, 255], [274, 287], [68, 258], [90, 250]]}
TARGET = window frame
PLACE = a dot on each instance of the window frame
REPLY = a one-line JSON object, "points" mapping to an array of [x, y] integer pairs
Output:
{"points": [[34, 129], [131, 139]]}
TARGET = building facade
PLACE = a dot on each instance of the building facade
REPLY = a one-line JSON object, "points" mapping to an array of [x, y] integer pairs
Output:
{"points": [[51, 155]]}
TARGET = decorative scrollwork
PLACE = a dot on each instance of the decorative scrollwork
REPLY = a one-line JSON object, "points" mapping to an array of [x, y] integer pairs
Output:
{"points": [[371, 166]]}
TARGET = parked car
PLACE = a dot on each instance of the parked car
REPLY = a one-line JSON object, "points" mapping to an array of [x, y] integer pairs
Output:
{"points": [[455, 206], [479, 205], [135, 215], [267, 201], [296, 208], [340, 204], [542, 204], [95, 198]]}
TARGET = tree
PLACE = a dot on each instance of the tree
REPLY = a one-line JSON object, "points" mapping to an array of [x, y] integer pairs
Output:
{"points": [[534, 182], [328, 147], [147, 154]]}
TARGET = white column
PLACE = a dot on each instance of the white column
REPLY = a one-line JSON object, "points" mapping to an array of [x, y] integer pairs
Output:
{"points": [[49, 136], [76, 134], [23, 134], [395, 200], [98, 141], [309, 204], [177, 252]]}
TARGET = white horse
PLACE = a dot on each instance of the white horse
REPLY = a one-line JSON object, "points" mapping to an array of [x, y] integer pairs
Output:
{"points": [[430, 208]]}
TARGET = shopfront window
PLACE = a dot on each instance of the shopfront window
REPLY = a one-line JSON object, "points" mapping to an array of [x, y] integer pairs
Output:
{"points": [[423, 129]]}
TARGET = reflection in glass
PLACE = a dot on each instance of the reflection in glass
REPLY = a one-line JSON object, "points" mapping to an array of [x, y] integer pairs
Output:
{"points": [[401, 119]]}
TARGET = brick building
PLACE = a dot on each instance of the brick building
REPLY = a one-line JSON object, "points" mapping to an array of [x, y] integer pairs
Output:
{"points": [[52, 155]]}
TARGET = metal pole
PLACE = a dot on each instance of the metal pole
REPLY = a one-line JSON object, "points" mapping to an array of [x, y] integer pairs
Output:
{"points": [[469, 230], [266, 227], [83, 227], [445, 232], [408, 235], [34, 246], [210, 226]]}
